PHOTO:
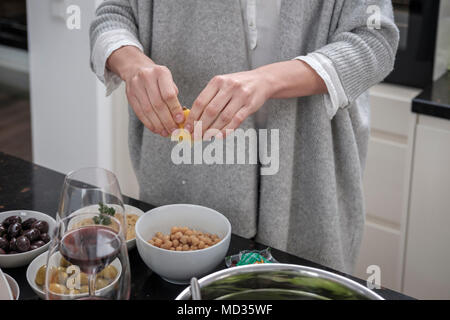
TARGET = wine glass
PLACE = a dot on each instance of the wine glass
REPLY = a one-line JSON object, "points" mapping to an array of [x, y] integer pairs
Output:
{"points": [[88, 257]]}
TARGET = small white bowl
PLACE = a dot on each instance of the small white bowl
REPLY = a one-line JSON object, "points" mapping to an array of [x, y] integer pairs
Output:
{"points": [[180, 266], [5, 289], [22, 259], [41, 260], [131, 244], [14, 286]]}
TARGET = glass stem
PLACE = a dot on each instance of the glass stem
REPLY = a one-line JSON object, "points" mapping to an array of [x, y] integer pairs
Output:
{"points": [[91, 279]]}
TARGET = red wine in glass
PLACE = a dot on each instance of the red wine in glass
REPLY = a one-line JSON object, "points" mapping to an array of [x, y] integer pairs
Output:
{"points": [[91, 247]]}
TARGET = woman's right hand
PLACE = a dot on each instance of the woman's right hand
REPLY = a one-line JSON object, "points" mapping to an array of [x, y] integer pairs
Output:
{"points": [[150, 90]]}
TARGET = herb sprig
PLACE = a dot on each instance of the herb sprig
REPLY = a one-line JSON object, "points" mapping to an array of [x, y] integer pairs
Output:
{"points": [[104, 215]]}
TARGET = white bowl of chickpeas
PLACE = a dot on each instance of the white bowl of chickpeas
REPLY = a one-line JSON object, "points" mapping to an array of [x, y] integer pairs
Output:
{"points": [[182, 241]]}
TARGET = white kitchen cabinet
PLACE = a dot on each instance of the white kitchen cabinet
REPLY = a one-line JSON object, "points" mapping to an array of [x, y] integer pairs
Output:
{"points": [[381, 246], [427, 260], [386, 182]]}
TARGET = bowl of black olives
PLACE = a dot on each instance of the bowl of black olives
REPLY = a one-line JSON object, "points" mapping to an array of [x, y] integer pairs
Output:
{"points": [[24, 235]]}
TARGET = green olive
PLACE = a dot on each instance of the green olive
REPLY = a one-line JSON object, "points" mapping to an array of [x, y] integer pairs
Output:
{"points": [[64, 263], [109, 273], [100, 283], [74, 291], [84, 280], [84, 289], [40, 275], [58, 288], [62, 277]]}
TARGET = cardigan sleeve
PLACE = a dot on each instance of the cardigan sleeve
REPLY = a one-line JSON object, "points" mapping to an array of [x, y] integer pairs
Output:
{"points": [[113, 27], [362, 53]]}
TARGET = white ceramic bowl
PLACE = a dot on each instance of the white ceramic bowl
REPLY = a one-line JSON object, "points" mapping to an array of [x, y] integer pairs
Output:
{"points": [[41, 260], [22, 259], [5, 289], [131, 244], [180, 266], [13, 285]]}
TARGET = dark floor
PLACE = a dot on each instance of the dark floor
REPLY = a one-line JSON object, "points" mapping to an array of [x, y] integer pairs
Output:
{"points": [[15, 123]]}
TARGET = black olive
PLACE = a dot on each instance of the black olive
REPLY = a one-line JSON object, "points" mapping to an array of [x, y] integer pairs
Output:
{"points": [[12, 252], [32, 234], [4, 244], [45, 237], [42, 226], [13, 244], [2, 251], [10, 220], [33, 247], [14, 229], [3, 230], [23, 244], [27, 223], [38, 243]]}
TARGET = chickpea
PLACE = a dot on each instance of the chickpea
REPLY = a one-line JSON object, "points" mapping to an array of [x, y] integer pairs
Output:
{"points": [[184, 239], [166, 245], [194, 240], [178, 235]]}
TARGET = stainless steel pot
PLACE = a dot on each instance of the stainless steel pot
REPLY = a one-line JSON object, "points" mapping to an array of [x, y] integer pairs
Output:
{"points": [[278, 281]]}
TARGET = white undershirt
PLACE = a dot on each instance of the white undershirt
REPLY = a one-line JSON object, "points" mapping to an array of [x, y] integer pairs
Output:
{"points": [[261, 18]]}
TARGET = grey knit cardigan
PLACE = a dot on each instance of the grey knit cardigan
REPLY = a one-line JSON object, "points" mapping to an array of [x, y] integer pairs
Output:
{"points": [[313, 207]]}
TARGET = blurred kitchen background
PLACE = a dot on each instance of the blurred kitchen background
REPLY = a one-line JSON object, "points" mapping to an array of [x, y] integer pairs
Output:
{"points": [[54, 112]]}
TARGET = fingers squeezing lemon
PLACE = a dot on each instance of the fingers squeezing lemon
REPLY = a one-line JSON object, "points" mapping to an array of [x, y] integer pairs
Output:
{"points": [[182, 134]]}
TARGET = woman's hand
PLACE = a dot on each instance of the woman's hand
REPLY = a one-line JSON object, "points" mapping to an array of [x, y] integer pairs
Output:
{"points": [[229, 99], [150, 90]]}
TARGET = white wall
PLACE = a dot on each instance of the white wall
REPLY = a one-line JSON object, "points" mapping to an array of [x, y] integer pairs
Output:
{"points": [[122, 163], [73, 124], [69, 125]]}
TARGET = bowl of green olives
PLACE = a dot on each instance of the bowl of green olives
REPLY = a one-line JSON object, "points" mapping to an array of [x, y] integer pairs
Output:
{"points": [[37, 271], [24, 234]]}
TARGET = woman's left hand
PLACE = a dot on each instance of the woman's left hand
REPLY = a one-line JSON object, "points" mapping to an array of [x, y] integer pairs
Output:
{"points": [[227, 101]]}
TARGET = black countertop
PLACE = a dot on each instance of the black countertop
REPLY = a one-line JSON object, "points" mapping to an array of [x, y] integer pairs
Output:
{"points": [[435, 99], [26, 186]]}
